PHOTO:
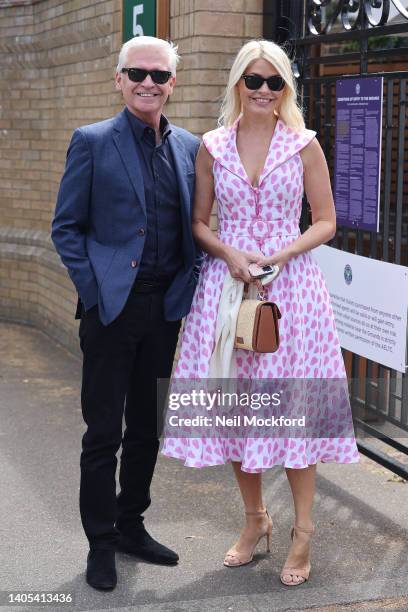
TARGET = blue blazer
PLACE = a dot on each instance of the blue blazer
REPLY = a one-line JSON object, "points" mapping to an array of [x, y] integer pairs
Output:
{"points": [[101, 209]]}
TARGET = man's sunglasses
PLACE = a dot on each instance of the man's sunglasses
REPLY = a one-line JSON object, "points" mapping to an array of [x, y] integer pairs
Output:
{"points": [[255, 81], [137, 75]]}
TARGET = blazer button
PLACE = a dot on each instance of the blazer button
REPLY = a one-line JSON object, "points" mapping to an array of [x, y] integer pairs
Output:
{"points": [[141, 231], [133, 263]]}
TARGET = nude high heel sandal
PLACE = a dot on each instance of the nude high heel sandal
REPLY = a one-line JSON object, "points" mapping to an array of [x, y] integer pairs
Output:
{"points": [[236, 558], [299, 572]]}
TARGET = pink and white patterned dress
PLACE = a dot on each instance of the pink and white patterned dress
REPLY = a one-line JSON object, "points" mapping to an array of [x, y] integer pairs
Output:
{"points": [[263, 219]]}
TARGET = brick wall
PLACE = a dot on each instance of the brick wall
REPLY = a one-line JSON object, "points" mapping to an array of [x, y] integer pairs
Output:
{"points": [[57, 61], [209, 34]]}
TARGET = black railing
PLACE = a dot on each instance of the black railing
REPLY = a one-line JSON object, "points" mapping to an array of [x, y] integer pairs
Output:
{"points": [[328, 40]]}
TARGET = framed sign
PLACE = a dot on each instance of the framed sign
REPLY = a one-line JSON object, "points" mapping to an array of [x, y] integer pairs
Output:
{"points": [[358, 152], [146, 18]]}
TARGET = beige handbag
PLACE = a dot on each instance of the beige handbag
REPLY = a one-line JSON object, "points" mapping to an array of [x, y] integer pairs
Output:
{"points": [[257, 325]]}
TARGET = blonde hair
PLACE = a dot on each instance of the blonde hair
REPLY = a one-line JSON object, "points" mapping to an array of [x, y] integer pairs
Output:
{"points": [[289, 110], [149, 41]]}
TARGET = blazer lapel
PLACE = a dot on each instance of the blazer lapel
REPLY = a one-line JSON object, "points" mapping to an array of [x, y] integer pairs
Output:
{"points": [[125, 144], [180, 154]]}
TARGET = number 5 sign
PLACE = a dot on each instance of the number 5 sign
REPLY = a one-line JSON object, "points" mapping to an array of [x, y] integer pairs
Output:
{"points": [[139, 18]]}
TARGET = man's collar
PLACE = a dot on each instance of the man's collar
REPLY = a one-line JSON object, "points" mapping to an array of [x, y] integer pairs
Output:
{"points": [[140, 128], [165, 129]]}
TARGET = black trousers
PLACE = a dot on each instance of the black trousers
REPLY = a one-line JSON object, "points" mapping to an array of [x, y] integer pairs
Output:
{"points": [[121, 364]]}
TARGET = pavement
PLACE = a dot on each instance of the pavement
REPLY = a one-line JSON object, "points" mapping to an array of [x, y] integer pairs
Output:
{"points": [[359, 555]]}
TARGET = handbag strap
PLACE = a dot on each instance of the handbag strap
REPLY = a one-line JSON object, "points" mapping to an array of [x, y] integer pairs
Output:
{"points": [[261, 289]]}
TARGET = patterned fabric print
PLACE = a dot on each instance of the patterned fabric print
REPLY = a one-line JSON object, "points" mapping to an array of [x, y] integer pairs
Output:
{"points": [[264, 219]]}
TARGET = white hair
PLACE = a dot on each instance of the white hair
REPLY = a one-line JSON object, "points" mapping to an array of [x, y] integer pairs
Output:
{"points": [[149, 41]]}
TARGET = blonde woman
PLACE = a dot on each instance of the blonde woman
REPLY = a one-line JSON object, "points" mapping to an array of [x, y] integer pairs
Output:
{"points": [[257, 165]]}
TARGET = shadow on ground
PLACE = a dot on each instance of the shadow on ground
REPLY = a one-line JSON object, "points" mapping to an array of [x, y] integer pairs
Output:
{"points": [[360, 548]]}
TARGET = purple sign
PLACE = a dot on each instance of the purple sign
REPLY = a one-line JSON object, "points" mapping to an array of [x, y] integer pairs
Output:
{"points": [[358, 152]]}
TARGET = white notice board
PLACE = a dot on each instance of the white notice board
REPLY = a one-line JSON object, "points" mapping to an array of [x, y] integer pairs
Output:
{"points": [[370, 303]]}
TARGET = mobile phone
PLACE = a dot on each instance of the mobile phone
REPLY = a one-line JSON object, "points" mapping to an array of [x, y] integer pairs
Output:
{"points": [[260, 271]]}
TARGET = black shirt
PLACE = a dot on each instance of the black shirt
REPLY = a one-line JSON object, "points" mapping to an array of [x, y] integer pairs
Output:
{"points": [[162, 256]]}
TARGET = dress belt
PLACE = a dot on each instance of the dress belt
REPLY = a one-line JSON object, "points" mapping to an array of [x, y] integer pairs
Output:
{"points": [[259, 229]]}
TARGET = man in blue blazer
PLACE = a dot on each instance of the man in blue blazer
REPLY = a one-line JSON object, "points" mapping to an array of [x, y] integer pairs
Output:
{"points": [[122, 227]]}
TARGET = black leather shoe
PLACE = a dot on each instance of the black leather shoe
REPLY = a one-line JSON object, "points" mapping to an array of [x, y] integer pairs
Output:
{"points": [[101, 569], [142, 545]]}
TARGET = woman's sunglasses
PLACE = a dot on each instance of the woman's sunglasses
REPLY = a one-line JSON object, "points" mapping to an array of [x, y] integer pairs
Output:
{"points": [[137, 75], [255, 81]]}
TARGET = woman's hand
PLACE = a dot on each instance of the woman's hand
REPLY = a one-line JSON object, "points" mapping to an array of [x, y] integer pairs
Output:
{"points": [[238, 262], [280, 259]]}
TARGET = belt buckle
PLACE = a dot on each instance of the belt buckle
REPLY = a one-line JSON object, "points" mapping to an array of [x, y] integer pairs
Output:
{"points": [[259, 229]]}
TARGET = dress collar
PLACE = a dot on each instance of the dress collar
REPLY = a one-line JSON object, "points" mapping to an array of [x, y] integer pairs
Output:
{"points": [[285, 143]]}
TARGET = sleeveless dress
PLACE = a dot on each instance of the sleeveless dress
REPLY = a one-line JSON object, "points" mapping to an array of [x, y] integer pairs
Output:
{"points": [[266, 219]]}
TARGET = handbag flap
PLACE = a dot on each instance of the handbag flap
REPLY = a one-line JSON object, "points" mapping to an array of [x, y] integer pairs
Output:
{"points": [[265, 337]]}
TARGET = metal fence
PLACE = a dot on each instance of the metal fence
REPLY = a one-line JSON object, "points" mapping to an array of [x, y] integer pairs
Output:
{"points": [[328, 40]]}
